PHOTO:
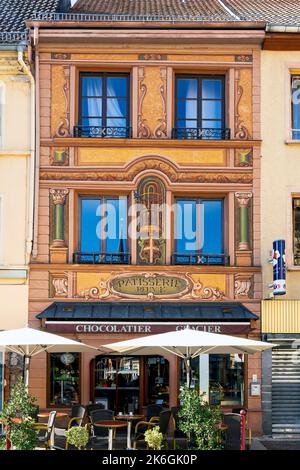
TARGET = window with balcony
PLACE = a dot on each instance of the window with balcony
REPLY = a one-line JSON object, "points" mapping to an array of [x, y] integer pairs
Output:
{"points": [[103, 105], [199, 232], [200, 108], [295, 107], [296, 230], [102, 231]]}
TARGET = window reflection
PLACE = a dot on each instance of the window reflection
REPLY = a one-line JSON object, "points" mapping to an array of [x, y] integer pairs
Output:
{"points": [[200, 107], [225, 381], [64, 379]]}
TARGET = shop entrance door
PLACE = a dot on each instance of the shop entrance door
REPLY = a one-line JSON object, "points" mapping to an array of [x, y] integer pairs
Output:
{"points": [[117, 383], [157, 381]]}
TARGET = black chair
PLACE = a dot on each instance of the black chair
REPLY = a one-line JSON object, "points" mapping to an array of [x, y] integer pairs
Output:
{"points": [[163, 424], [97, 432], [153, 411], [75, 419], [177, 434], [93, 407], [233, 431]]}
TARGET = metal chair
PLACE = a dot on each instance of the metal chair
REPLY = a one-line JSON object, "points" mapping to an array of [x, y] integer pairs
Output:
{"points": [[46, 431], [153, 411], [233, 431], [75, 419], [99, 433], [162, 423], [177, 434]]}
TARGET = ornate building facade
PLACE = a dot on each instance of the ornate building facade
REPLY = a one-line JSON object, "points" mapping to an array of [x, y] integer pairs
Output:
{"points": [[157, 131]]}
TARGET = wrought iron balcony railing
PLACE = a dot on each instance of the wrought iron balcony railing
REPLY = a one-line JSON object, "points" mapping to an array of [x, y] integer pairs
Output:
{"points": [[102, 132], [207, 259], [101, 258], [200, 133]]}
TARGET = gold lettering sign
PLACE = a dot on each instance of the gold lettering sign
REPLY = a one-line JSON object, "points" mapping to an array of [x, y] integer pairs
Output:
{"points": [[153, 284]]}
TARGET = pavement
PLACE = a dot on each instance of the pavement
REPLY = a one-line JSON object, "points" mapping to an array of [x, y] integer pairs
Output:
{"points": [[269, 443]]}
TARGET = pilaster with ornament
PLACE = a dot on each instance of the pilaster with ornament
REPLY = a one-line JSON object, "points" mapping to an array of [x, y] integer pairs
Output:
{"points": [[58, 249], [243, 254]]}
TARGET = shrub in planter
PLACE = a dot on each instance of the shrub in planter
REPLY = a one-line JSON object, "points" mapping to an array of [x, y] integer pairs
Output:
{"points": [[154, 438], [199, 421], [20, 405], [78, 436]]}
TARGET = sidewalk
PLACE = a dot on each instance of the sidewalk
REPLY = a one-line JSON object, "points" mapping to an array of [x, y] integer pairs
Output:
{"points": [[265, 443]]}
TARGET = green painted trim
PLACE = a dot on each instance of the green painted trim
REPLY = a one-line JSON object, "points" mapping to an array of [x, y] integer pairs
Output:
{"points": [[244, 235], [59, 222]]}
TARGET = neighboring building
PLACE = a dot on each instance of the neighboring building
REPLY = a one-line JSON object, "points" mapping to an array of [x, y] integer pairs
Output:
{"points": [[281, 220], [17, 143], [166, 112]]}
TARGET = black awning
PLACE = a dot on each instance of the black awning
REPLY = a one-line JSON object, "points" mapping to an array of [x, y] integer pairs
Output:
{"points": [[154, 311]]}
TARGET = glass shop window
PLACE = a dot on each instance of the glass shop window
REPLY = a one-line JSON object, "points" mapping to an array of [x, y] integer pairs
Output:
{"points": [[225, 383], [64, 383]]}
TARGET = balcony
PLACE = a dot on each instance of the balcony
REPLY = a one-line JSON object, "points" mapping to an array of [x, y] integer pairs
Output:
{"points": [[101, 258], [200, 133], [103, 132], [200, 259]]}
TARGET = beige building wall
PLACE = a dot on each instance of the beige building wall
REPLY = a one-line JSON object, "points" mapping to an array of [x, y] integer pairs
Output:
{"points": [[15, 157], [280, 165]]}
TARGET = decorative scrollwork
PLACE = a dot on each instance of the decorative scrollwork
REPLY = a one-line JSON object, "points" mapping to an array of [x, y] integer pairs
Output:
{"points": [[63, 129], [143, 130], [161, 129]]}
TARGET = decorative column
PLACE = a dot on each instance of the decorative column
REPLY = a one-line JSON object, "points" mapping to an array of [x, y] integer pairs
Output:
{"points": [[243, 255], [58, 250]]}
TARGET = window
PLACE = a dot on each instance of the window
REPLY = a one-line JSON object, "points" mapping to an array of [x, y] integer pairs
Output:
{"points": [[199, 231], [104, 105], [103, 230], [117, 383], [296, 107], [224, 383], [151, 243], [200, 108], [1, 229], [64, 379], [296, 230]]}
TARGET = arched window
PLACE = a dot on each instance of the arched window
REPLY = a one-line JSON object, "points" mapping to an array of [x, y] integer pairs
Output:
{"points": [[151, 198]]}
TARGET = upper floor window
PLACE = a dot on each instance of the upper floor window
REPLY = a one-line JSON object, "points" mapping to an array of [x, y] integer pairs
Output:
{"points": [[199, 232], [103, 230], [296, 230], [200, 108], [104, 105], [296, 107]]}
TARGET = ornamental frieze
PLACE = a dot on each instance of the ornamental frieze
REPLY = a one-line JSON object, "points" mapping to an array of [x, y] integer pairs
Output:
{"points": [[151, 286], [129, 173]]}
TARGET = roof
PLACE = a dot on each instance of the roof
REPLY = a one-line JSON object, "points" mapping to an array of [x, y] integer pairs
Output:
{"points": [[192, 8], [13, 13], [281, 12], [137, 311]]}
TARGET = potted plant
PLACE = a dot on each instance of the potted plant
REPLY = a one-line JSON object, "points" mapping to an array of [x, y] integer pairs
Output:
{"points": [[78, 436], [154, 438], [199, 421], [17, 415]]}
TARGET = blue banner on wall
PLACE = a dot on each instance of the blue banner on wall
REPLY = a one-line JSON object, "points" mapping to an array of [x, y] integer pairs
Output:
{"points": [[279, 268]]}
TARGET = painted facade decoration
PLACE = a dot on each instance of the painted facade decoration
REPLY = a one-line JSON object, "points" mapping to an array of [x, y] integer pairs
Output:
{"points": [[152, 167]]}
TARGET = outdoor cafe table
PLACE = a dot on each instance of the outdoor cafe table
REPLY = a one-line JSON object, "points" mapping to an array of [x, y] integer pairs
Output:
{"points": [[129, 419], [59, 414], [111, 425]]}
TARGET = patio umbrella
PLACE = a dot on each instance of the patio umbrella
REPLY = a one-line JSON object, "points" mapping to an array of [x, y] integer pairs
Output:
{"points": [[187, 344], [29, 342]]}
